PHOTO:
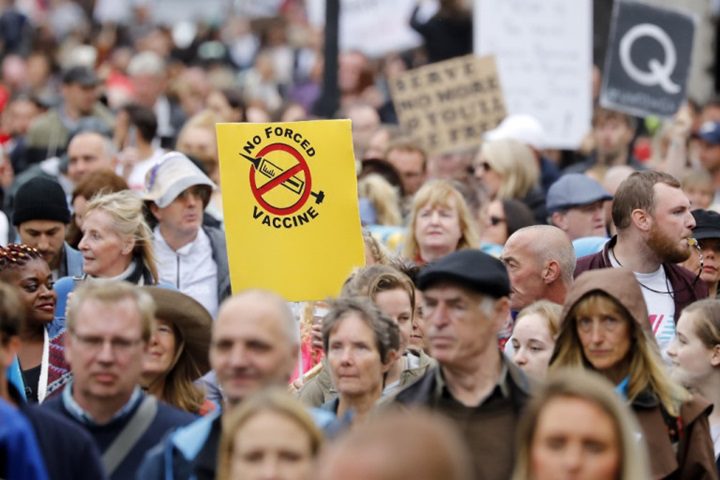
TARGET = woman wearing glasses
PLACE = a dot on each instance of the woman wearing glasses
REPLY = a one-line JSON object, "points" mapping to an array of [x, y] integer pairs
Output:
{"points": [[41, 362], [502, 219], [605, 327], [508, 169]]}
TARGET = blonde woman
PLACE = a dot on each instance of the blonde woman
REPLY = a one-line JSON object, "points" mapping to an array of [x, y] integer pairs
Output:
{"points": [[605, 328], [533, 337], [577, 427], [268, 432], [383, 197], [508, 169], [116, 244], [440, 223]]}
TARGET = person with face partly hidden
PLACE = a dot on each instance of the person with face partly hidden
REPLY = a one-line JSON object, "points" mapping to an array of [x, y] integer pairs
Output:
{"points": [[577, 427], [533, 338], [270, 435], [178, 351], [440, 223], [707, 234], [604, 327], [695, 355], [361, 344], [43, 368]]}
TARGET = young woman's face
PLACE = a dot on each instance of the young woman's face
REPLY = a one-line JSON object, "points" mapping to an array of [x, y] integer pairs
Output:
{"points": [[605, 337], [576, 439], [162, 350], [396, 305], [692, 362], [495, 229], [271, 446], [533, 345]]}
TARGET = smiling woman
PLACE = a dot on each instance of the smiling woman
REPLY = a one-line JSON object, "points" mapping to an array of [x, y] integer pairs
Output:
{"points": [[43, 367]]}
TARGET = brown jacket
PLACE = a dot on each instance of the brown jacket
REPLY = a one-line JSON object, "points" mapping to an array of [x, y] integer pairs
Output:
{"points": [[489, 428], [694, 458]]}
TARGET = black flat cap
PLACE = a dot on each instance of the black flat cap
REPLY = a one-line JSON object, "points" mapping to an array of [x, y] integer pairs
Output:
{"points": [[471, 269], [707, 224]]}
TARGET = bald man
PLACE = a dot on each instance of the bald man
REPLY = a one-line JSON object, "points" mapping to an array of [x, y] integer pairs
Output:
{"points": [[254, 345], [540, 261]]}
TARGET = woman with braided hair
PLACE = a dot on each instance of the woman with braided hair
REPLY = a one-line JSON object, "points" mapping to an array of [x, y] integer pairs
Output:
{"points": [[41, 361]]}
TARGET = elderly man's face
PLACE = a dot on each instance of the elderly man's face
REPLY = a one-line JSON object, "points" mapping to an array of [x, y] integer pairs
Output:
{"points": [[525, 271], [251, 347], [461, 325]]}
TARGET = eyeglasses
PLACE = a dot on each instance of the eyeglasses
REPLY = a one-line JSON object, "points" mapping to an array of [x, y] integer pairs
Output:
{"points": [[94, 344], [607, 323], [494, 221]]}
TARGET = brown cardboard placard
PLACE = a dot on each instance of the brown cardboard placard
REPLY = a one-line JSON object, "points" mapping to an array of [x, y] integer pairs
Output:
{"points": [[446, 106]]}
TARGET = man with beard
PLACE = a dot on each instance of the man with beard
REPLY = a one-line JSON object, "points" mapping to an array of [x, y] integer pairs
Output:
{"points": [[654, 227]]}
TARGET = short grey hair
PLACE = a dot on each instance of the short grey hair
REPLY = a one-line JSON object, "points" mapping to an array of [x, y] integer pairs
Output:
{"points": [[387, 333]]}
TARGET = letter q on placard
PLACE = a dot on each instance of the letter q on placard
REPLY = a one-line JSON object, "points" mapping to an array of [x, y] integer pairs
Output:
{"points": [[658, 73]]}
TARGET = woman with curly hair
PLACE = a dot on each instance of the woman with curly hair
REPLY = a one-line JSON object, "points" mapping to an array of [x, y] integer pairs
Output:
{"points": [[43, 368]]}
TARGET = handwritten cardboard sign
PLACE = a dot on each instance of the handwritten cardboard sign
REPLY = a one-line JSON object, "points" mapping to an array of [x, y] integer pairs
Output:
{"points": [[447, 106]]}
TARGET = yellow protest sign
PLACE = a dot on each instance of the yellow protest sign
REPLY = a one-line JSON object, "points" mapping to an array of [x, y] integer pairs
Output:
{"points": [[291, 206]]}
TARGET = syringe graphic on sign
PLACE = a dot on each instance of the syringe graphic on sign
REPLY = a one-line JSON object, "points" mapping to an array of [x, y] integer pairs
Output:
{"points": [[270, 170]]}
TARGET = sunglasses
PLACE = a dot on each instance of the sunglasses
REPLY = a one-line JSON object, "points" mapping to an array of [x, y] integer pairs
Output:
{"points": [[494, 221], [484, 166]]}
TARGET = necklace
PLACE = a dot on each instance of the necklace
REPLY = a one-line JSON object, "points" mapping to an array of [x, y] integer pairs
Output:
{"points": [[668, 290]]}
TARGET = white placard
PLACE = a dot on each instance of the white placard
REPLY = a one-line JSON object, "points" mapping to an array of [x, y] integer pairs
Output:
{"points": [[543, 50], [375, 27]]}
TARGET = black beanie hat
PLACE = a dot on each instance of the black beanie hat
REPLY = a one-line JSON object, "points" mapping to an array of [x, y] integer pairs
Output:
{"points": [[40, 199]]}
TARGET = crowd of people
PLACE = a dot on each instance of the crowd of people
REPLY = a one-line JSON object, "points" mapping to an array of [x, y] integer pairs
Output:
{"points": [[523, 312]]}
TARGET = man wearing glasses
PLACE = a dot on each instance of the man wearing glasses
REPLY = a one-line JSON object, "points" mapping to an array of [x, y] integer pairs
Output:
{"points": [[109, 326]]}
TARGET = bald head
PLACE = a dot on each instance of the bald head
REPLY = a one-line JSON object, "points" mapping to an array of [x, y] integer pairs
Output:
{"points": [[541, 261], [254, 344]]}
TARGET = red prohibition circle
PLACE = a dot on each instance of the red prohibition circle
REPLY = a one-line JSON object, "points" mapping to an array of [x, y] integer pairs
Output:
{"points": [[301, 166]]}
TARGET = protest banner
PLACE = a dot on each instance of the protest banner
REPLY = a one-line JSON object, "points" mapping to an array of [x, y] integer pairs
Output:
{"points": [[447, 106], [648, 59], [291, 206], [374, 27], [543, 50]]}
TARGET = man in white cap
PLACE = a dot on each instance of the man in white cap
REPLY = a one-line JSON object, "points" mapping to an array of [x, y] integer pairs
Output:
{"points": [[190, 256]]}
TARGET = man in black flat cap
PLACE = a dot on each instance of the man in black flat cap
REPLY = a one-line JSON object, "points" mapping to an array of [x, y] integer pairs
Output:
{"points": [[465, 306]]}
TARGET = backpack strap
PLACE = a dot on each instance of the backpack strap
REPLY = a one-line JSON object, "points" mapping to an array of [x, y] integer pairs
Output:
{"points": [[135, 428]]}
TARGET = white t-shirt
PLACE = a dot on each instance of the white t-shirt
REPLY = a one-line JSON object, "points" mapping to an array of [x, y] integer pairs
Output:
{"points": [[657, 293]]}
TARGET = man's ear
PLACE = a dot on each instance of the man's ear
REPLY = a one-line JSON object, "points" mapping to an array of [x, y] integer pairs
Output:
{"points": [[559, 219], [715, 357], [551, 272], [641, 219], [155, 210]]}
